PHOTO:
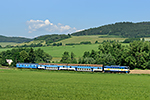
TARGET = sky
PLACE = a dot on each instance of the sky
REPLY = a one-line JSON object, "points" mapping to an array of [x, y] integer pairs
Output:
{"points": [[32, 18]]}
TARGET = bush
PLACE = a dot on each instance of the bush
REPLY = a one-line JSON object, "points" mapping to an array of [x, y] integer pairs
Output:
{"points": [[85, 42]]}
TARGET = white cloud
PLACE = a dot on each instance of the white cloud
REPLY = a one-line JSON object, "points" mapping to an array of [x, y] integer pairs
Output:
{"points": [[40, 25]]}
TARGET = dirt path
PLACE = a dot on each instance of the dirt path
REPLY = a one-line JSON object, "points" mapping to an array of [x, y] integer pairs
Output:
{"points": [[139, 71]]}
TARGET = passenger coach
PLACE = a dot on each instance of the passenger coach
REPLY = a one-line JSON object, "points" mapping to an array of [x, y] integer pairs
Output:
{"points": [[27, 65]]}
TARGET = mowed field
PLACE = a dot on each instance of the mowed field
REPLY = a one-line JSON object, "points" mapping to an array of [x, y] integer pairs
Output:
{"points": [[25, 84], [78, 50], [3, 44], [91, 38]]}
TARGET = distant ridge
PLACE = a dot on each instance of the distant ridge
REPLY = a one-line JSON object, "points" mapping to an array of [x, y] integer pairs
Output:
{"points": [[122, 29], [119, 29], [14, 39]]}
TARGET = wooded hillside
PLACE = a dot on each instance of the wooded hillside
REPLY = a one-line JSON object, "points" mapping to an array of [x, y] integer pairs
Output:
{"points": [[122, 29], [14, 39], [53, 38]]}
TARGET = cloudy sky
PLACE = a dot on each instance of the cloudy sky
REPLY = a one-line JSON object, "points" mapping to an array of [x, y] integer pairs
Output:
{"points": [[31, 18]]}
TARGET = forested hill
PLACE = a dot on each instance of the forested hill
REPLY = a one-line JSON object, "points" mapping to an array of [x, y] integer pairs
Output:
{"points": [[14, 39], [122, 29], [53, 38]]}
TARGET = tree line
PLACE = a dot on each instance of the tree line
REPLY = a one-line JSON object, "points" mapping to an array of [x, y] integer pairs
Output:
{"points": [[53, 38], [14, 39], [135, 55], [24, 55]]}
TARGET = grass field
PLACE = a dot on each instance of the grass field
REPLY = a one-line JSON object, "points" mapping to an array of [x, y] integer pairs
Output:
{"points": [[78, 39], [91, 38], [27, 84], [32, 42], [57, 51], [3, 44], [4, 49]]}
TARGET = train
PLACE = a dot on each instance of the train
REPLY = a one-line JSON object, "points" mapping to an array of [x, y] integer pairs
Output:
{"points": [[76, 67]]}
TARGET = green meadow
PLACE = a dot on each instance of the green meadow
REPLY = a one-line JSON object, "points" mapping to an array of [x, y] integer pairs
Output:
{"points": [[4, 49], [78, 50], [29, 84]]}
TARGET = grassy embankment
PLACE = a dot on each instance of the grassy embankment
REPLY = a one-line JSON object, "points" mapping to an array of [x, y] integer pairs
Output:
{"points": [[63, 85]]}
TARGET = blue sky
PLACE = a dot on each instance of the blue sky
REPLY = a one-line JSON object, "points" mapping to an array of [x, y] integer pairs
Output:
{"points": [[31, 18]]}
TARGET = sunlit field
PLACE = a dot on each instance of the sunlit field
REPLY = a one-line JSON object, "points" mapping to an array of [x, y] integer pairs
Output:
{"points": [[23, 84], [3, 44], [91, 38], [78, 50]]}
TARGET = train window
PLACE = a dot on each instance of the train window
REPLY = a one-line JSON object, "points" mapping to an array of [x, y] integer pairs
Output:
{"points": [[98, 68], [70, 66], [63, 66]]}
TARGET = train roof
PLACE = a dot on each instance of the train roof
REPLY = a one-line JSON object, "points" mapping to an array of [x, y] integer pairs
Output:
{"points": [[28, 63], [61, 64], [118, 66]]}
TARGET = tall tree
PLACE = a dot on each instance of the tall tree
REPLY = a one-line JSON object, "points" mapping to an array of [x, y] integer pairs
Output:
{"points": [[86, 54], [65, 57], [24, 57], [73, 59], [31, 56]]}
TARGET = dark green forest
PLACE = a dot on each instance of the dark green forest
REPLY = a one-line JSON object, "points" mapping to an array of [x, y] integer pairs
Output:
{"points": [[24, 55], [14, 39], [120, 29]]}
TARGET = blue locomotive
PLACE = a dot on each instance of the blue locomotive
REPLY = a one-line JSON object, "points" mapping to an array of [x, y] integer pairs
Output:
{"points": [[75, 67]]}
